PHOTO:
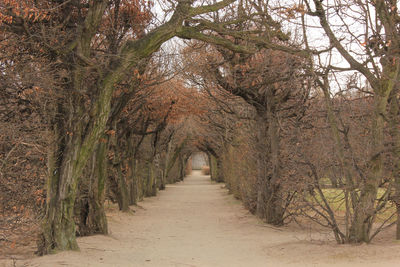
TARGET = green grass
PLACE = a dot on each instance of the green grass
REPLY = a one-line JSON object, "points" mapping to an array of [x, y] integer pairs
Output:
{"points": [[336, 200]]}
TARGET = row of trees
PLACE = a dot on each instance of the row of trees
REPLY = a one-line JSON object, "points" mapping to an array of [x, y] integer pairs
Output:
{"points": [[322, 134], [143, 150], [89, 60], [113, 115]]}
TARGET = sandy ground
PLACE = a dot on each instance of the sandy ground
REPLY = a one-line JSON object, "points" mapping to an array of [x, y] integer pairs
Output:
{"points": [[196, 223]]}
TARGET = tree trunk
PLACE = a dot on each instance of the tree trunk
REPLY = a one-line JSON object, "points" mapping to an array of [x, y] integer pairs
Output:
{"points": [[58, 229], [97, 220], [120, 185], [132, 177], [165, 169], [182, 167], [364, 214], [366, 210], [261, 167], [121, 189], [214, 168], [75, 138], [269, 197], [220, 174], [133, 183], [151, 185], [89, 206], [274, 210]]}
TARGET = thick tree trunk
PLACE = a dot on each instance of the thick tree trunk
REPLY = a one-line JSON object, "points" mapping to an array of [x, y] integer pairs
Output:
{"points": [[75, 137], [58, 229], [120, 187], [364, 213], [274, 210], [67, 160], [269, 197], [90, 215], [366, 208], [97, 220]]}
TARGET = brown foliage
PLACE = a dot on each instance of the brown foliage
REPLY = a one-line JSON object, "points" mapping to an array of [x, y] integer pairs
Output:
{"points": [[22, 169]]}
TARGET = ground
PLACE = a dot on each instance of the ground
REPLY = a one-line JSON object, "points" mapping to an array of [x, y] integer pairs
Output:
{"points": [[197, 223]]}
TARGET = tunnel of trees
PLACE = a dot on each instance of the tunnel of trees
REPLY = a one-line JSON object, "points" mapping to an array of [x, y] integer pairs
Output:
{"points": [[295, 104]]}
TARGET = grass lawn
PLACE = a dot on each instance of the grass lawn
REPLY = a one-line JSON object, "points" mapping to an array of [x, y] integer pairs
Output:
{"points": [[336, 199]]}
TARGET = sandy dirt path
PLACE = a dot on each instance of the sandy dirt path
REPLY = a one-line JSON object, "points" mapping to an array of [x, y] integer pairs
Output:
{"points": [[196, 223]]}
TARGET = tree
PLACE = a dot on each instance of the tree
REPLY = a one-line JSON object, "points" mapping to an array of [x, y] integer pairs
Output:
{"points": [[379, 64]]}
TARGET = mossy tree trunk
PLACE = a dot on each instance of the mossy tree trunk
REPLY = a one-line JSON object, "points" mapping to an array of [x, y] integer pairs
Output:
{"points": [[58, 232], [366, 209], [89, 206], [67, 160], [74, 139], [121, 188], [97, 219], [364, 214]]}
